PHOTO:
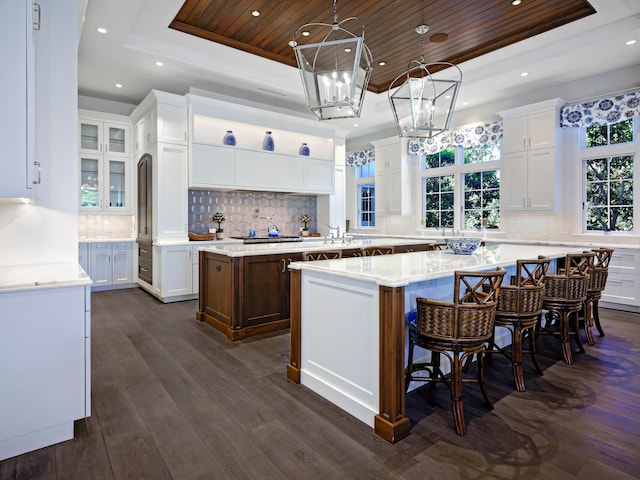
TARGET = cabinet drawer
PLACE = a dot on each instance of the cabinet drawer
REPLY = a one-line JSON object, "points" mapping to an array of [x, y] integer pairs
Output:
{"points": [[625, 261], [622, 288]]}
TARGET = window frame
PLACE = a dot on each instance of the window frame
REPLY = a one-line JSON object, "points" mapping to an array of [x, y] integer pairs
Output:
{"points": [[365, 182]]}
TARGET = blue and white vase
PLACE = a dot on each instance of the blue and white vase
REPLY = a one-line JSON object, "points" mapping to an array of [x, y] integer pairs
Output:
{"points": [[268, 144], [304, 150], [229, 138]]}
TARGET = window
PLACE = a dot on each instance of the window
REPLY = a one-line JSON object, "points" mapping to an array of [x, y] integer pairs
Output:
{"points": [[608, 178], [439, 201], [462, 170], [365, 175]]}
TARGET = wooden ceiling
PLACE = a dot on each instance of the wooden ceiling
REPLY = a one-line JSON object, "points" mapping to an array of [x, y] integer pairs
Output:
{"points": [[472, 27]]}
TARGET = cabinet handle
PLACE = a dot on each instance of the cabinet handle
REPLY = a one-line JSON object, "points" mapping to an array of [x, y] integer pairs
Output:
{"points": [[284, 265], [142, 269], [529, 203], [529, 142], [38, 11], [142, 250], [613, 281], [524, 143], [39, 170]]}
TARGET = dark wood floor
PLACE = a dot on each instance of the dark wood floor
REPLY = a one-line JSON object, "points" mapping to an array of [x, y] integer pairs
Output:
{"points": [[172, 398]]}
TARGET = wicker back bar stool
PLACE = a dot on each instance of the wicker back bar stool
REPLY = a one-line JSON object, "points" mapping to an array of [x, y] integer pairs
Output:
{"points": [[518, 310], [597, 284], [564, 297], [458, 330], [324, 255], [370, 251]]}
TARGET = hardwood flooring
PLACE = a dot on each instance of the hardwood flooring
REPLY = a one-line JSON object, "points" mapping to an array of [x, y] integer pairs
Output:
{"points": [[174, 399]]}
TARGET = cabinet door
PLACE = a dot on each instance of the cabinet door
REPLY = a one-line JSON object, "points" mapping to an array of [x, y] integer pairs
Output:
{"points": [[176, 271], [90, 136], [145, 190], [90, 182], [171, 196], [122, 263], [541, 184], [514, 134], [116, 139], [542, 129], [172, 124], [212, 166], [270, 171], [116, 191], [514, 181], [265, 291], [17, 118], [101, 263], [319, 176]]}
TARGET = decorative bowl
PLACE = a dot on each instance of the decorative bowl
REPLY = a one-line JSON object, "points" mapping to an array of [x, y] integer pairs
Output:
{"points": [[463, 246]]}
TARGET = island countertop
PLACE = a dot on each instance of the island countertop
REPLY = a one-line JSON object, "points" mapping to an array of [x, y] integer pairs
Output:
{"points": [[49, 275], [401, 270], [243, 250]]}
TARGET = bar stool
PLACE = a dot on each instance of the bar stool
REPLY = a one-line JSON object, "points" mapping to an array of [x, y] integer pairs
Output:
{"points": [[519, 308], [564, 296], [370, 251], [459, 330], [597, 284], [324, 255]]}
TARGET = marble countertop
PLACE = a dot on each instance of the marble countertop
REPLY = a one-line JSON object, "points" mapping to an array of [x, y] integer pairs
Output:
{"points": [[243, 250], [49, 275], [405, 268], [106, 240]]}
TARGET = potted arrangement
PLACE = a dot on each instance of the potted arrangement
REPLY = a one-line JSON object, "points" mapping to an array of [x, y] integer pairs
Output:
{"points": [[218, 217], [305, 219]]}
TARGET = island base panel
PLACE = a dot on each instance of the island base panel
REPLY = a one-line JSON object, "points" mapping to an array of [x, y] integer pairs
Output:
{"points": [[392, 432], [243, 332]]}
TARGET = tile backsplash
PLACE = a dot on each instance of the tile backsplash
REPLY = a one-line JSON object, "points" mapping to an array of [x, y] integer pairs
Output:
{"points": [[98, 226], [246, 211]]}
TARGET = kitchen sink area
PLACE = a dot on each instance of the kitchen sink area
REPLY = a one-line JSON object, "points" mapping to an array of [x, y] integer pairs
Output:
{"points": [[269, 239]]}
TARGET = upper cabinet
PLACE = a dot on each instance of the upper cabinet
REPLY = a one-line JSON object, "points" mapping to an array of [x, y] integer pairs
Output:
{"points": [[105, 163], [393, 185], [103, 138], [531, 147], [20, 171], [300, 159]]}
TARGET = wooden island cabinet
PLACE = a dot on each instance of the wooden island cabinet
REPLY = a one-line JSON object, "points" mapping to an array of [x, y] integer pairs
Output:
{"points": [[244, 289]]}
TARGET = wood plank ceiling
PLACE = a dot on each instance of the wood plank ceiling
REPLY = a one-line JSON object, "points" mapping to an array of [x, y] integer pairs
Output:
{"points": [[471, 27]]}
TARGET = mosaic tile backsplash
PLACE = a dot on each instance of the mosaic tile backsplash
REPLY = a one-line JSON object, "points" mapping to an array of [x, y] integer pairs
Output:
{"points": [[246, 211]]}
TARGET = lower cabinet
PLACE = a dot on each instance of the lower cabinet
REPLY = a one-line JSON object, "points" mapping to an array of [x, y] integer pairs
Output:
{"points": [[175, 276], [623, 282], [109, 264], [243, 296]]}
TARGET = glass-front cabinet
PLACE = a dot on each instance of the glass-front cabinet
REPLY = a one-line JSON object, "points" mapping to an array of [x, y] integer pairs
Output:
{"points": [[105, 162], [103, 138], [104, 184]]}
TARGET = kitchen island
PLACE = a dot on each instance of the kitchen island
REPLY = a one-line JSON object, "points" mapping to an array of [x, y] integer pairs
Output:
{"points": [[348, 323], [244, 289]]}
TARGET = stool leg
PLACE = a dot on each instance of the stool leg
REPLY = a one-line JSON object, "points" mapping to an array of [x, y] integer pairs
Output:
{"points": [[532, 349], [576, 329], [408, 373], [564, 338], [457, 406], [596, 317], [516, 358], [483, 388], [588, 322]]}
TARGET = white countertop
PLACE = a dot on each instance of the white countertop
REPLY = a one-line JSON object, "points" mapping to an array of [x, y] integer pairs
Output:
{"points": [[49, 275], [405, 268], [243, 250]]}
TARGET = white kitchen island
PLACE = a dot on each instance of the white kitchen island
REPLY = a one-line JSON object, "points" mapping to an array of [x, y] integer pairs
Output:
{"points": [[348, 323]]}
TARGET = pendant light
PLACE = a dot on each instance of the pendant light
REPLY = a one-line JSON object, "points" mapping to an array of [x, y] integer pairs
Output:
{"points": [[335, 70], [423, 103]]}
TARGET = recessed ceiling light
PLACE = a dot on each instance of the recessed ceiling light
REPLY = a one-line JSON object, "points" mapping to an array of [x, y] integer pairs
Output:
{"points": [[102, 30], [382, 64], [159, 64], [347, 50], [305, 34], [516, 2], [118, 85], [631, 42], [465, 103], [524, 74], [255, 13], [355, 124]]}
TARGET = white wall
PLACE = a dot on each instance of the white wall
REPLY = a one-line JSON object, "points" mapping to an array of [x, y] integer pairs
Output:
{"points": [[48, 230]]}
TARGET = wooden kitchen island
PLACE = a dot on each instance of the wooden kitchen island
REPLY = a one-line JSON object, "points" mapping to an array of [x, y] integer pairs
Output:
{"points": [[348, 323], [244, 288]]}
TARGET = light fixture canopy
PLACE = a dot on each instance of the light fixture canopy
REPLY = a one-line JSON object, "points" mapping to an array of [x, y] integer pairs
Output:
{"points": [[423, 103], [335, 70]]}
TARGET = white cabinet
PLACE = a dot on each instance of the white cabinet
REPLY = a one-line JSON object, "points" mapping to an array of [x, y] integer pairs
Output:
{"points": [[175, 276], [623, 282], [17, 120], [105, 163], [170, 193], [393, 186], [110, 264], [531, 168], [195, 272], [104, 138], [172, 123], [44, 366]]}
